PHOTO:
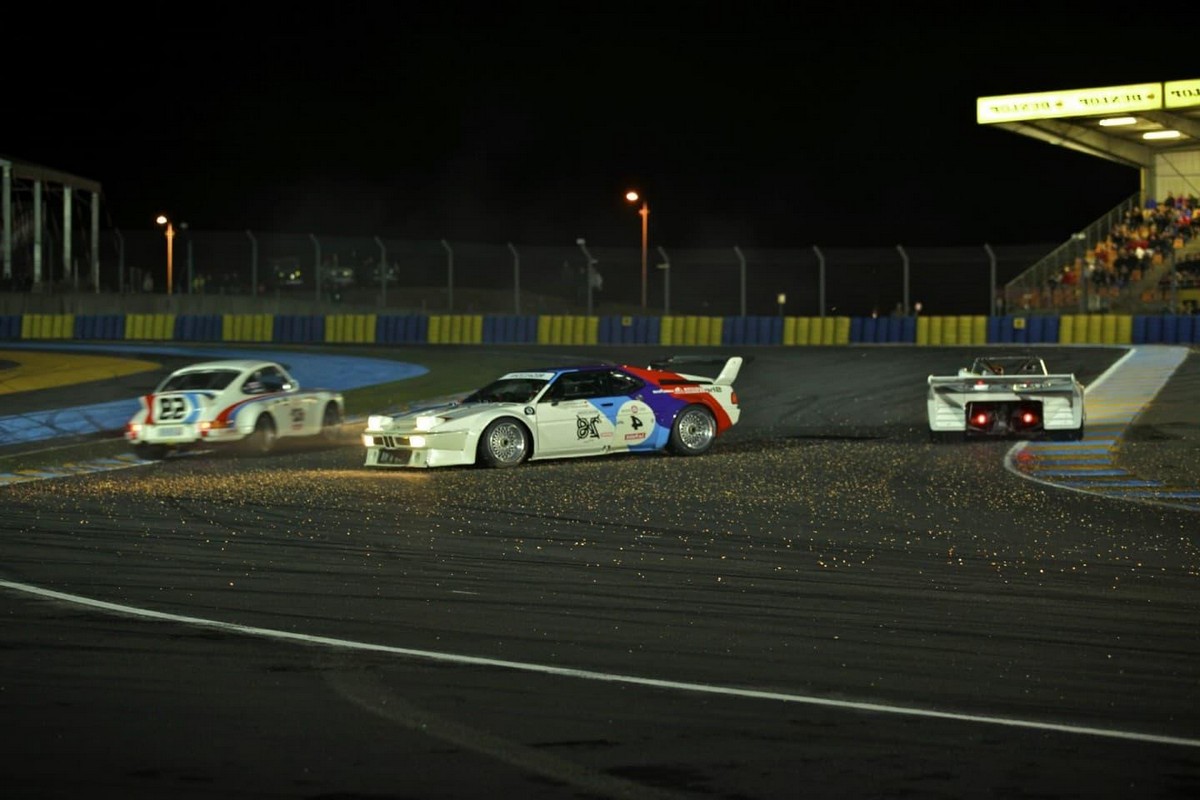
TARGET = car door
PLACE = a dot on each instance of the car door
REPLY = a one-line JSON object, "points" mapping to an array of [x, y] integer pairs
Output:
{"points": [[572, 418]]}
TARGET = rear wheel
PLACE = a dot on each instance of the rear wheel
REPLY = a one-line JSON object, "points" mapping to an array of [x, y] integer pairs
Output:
{"points": [[150, 452], [331, 423], [262, 441], [694, 431], [504, 443]]}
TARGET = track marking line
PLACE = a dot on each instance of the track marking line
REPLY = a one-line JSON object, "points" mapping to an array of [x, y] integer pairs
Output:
{"points": [[606, 677]]}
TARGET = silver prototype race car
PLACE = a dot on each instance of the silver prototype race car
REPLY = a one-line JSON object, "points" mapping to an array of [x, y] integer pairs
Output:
{"points": [[243, 402], [1006, 396]]}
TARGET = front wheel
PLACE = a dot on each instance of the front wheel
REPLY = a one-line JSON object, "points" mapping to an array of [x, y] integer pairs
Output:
{"points": [[262, 440], [693, 432], [504, 443]]}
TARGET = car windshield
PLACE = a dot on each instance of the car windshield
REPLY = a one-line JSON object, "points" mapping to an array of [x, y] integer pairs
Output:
{"points": [[212, 380], [507, 390]]}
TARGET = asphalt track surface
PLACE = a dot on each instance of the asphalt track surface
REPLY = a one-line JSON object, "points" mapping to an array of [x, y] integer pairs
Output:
{"points": [[824, 605]]}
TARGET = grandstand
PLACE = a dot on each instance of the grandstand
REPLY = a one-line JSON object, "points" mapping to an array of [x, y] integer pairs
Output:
{"points": [[1151, 127]]}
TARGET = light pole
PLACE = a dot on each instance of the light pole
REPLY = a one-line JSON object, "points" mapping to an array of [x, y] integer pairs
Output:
{"points": [[162, 220], [587, 274], [632, 197]]}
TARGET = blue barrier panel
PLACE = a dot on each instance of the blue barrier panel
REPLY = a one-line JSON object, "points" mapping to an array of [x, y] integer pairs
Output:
{"points": [[862, 329], [10, 326], [733, 330], [1137, 332], [494, 329], [1042, 330], [1154, 331], [198, 327], [1170, 329], [114, 327], [883, 330], [298, 328], [281, 328], [402, 329], [1185, 332], [629, 330], [510, 329], [909, 330], [770, 330], [998, 330], [94, 326]]}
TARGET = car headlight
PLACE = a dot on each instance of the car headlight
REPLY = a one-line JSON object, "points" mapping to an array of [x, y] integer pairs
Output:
{"points": [[428, 422], [377, 421]]}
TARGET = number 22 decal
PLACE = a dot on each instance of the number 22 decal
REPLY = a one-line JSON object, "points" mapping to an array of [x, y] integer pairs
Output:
{"points": [[171, 408]]}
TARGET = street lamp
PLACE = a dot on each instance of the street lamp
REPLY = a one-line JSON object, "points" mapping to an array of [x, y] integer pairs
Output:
{"points": [[632, 197], [162, 220]]}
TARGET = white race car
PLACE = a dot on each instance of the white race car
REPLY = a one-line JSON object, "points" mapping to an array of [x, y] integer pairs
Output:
{"points": [[245, 402], [1006, 396], [562, 412]]}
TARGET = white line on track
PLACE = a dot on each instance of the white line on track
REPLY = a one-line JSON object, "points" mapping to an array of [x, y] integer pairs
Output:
{"points": [[608, 677]]}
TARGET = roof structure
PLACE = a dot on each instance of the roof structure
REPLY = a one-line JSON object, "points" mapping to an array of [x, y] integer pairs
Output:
{"points": [[1153, 127]]}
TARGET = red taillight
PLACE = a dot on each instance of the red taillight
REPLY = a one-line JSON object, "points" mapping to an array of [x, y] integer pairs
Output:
{"points": [[733, 398], [980, 420]]}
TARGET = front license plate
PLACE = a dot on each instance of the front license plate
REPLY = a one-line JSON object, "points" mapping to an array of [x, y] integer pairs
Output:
{"points": [[172, 432], [400, 457]]}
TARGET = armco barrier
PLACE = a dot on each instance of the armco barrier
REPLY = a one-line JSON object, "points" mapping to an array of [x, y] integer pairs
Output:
{"points": [[681, 331]]}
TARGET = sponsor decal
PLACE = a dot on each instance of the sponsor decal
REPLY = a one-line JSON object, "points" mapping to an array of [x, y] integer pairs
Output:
{"points": [[587, 427]]}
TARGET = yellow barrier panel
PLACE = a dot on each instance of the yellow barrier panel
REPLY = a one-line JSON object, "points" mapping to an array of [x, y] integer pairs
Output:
{"points": [[949, 328], [804, 330], [666, 331], [979, 329], [461, 329], [966, 331], [716, 326], [1095, 325], [247, 327], [1108, 329], [47, 326], [1066, 329], [689, 331], [1124, 328], [550, 329], [922, 330], [591, 333], [841, 330], [150, 326], [936, 336]]}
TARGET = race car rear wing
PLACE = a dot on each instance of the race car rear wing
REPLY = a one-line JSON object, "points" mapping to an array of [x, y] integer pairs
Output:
{"points": [[729, 372], [1016, 384]]}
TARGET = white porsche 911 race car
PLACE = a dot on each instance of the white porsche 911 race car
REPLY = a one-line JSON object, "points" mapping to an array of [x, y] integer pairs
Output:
{"points": [[1006, 396], [562, 412], [248, 403]]}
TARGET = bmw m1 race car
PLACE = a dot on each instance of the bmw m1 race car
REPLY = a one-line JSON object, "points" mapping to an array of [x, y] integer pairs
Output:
{"points": [[1006, 396], [248, 403], [562, 412]]}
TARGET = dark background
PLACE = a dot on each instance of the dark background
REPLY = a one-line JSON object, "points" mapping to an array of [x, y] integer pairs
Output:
{"points": [[765, 125]]}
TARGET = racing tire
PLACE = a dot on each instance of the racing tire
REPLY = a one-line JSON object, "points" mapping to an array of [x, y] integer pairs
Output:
{"points": [[150, 452], [262, 441], [504, 443], [693, 432], [331, 424]]}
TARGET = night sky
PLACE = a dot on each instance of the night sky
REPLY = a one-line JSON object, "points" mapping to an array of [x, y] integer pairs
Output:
{"points": [[753, 124]]}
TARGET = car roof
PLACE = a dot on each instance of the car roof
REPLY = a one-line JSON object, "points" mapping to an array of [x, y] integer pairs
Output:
{"points": [[240, 364]]}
